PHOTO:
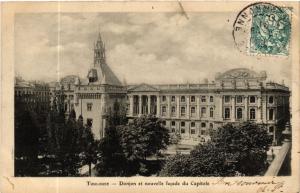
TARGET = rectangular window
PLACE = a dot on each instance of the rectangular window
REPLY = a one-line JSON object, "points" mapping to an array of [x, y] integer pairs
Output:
{"points": [[164, 110], [271, 99], [182, 112], [227, 113], [202, 132], [203, 99], [271, 114], [203, 112], [182, 130], [227, 99], [271, 129], [173, 99], [252, 114], [193, 124], [173, 123], [211, 112], [239, 113], [252, 99], [193, 110], [173, 111], [211, 99], [193, 131], [182, 99], [164, 98], [239, 99], [182, 124], [89, 106], [193, 99]]}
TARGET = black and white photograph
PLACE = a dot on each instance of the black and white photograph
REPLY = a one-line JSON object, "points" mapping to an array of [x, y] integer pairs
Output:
{"points": [[153, 94]]}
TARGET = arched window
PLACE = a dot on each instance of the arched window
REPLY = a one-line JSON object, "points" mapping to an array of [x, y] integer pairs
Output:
{"points": [[227, 113], [173, 98], [182, 112], [271, 99], [252, 114], [173, 109], [182, 99], [239, 113], [211, 112], [193, 99], [193, 110]]}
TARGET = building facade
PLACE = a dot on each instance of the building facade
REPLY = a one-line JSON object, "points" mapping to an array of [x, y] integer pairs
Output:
{"points": [[235, 96], [32, 95], [95, 96]]}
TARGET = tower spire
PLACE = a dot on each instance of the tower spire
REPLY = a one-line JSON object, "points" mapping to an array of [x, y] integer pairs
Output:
{"points": [[99, 52]]}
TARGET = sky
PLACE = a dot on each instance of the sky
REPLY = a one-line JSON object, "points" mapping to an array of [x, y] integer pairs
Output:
{"points": [[154, 48]]}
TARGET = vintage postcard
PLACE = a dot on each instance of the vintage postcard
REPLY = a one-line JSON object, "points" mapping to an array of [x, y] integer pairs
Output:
{"points": [[150, 96]]}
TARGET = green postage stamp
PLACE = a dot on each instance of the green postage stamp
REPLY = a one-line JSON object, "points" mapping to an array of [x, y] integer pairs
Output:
{"points": [[264, 29]]}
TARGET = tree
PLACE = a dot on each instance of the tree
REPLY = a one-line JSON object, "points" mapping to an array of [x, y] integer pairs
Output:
{"points": [[70, 144], [124, 148], [177, 165], [245, 144], [88, 145], [144, 137], [26, 142], [233, 150], [113, 161]]}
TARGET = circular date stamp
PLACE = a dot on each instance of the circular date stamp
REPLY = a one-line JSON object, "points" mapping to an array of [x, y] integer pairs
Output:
{"points": [[263, 29]]}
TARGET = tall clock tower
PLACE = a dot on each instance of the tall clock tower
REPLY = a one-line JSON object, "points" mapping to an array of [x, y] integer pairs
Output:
{"points": [[96, 95]]}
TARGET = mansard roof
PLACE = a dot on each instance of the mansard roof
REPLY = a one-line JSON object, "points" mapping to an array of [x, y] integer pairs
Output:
{"points": [[241, 73]]}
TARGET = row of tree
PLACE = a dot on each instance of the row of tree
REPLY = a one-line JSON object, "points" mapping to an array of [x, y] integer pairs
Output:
{"points": [[61, 146], [233, 150]]}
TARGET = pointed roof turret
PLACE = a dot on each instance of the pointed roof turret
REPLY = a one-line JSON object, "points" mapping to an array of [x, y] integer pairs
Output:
{"points": [[101, 73]]}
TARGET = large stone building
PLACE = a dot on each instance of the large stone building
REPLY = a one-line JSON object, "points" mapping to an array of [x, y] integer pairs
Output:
{"points": [[95, 96], [32, 95], [235, 96]]}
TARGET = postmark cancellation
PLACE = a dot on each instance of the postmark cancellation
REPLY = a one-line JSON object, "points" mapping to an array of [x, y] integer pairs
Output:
{"points": [[263, 29]]}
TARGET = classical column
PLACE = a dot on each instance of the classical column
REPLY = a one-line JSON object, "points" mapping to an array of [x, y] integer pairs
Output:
{"points": [[177, 106], [259, 109], [149, 103], [233, 108], [157, 105], [131, 105], [221, 107], [140, 105], [188, 107], [246, 108], [198, 107], [168, 106]]}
